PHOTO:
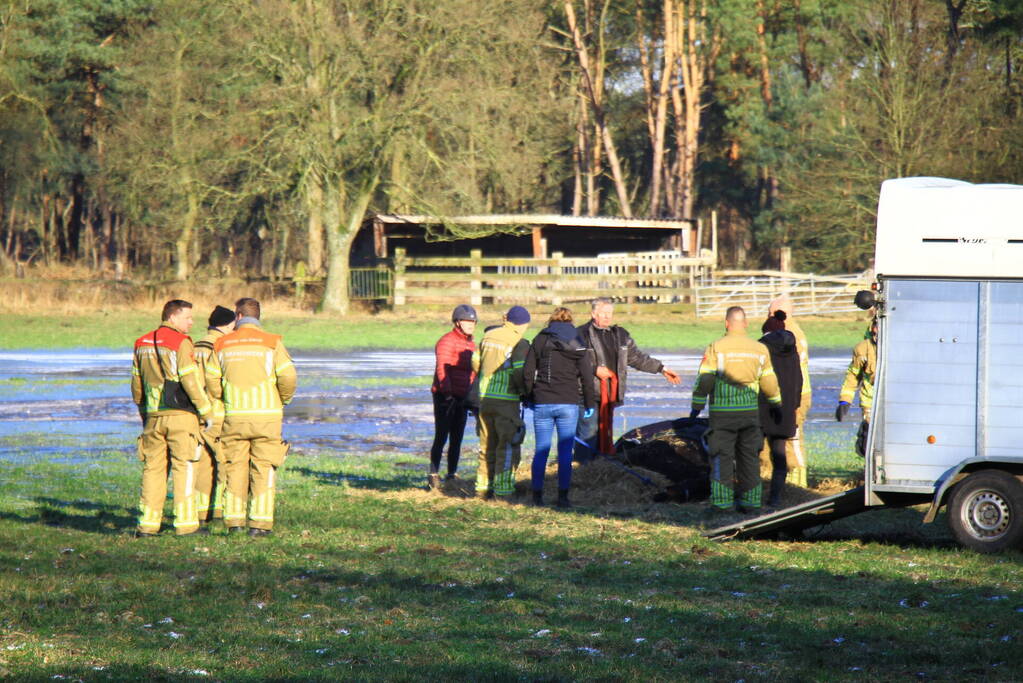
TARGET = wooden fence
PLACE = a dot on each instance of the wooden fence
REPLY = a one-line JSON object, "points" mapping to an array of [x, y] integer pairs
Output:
{"points": [[654, 277], [754, 289]]}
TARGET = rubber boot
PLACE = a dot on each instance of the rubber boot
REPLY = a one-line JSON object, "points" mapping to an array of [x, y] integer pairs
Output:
{"points": [[537, 498], [563, 501], [433, 481]]}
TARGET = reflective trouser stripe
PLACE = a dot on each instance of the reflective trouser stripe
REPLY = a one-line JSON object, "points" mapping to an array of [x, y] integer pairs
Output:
{"points": [[752, 498], [261, 506], [149, 518], [721, 496], [499, 457], [250, 453], [168, 440], [186, 514], [234, 509]]}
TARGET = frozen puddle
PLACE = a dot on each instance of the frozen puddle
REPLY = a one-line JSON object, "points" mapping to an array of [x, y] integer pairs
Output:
{"points": [[78, 403]]}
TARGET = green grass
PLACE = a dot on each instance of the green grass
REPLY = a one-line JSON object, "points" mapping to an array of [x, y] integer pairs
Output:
{"points": [[369, 578], [117, 330]]}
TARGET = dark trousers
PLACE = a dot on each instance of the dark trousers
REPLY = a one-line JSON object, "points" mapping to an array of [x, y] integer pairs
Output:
{"points": [[734, 441], [449, 417], [779, 468]]}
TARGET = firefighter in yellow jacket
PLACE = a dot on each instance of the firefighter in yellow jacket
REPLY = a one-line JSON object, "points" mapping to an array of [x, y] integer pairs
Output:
{"points": [[167, 389], [251, 371], [734, 371], [210, 474], [860, 375], [499, 362]]}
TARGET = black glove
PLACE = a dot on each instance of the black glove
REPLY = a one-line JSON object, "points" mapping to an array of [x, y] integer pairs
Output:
{"points": [[695, 413], [841, 411], [775, 412]]}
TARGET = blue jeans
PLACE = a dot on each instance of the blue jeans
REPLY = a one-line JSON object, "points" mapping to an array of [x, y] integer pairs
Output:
{"points": [[545, 417]]}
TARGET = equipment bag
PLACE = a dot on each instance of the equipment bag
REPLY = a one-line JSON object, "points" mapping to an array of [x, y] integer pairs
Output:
{"points": [[173, 395]]}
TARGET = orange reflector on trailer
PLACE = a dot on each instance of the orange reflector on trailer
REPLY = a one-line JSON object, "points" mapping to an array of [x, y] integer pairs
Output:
{"points": [[931, 439]]}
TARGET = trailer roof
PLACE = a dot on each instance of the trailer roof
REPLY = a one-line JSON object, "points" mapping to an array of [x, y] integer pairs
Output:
{"points": [[938, 227]]}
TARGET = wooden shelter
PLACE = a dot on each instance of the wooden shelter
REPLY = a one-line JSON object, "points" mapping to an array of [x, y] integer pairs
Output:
{"points": [[522, 235]]}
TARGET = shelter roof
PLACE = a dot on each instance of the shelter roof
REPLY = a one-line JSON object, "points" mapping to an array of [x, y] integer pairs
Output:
{"points": [[541, 220]]}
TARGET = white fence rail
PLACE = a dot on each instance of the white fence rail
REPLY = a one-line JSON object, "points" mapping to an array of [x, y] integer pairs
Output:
{"points": [[753, 290]]}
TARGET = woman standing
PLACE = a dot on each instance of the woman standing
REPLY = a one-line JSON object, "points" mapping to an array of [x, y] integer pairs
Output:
{"points": [[785, 358], [555, 369], [451, 380]]}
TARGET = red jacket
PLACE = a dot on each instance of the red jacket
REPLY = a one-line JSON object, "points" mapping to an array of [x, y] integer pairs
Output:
{"points": [[454, 364]]}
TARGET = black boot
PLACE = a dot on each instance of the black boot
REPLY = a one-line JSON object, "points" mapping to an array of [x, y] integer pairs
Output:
{"points": [[563, 499], [777, 486], [537, 498]]}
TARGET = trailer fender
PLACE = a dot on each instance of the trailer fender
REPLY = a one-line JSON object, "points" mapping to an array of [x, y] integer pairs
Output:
{"points": [[963, 470]]}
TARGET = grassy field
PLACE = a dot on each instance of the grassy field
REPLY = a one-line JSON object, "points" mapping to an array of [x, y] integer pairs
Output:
{"points": [[369, 577], [118, 329]]}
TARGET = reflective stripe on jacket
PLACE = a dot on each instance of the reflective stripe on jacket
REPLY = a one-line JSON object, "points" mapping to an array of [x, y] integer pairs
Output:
{"points": [[203, 353], [499, 361], [860, 375], [163, 354], [251, 371], [734, 371]]}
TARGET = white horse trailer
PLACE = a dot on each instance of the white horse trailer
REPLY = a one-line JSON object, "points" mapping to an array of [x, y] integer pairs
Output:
{"points": [[946, 424]]}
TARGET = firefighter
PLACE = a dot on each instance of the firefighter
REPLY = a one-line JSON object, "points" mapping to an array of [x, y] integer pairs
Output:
{"points": [[795, 456], [167, 389], [210, 476], [499, 362], [734, 371], [251, 371], [860, 375]]}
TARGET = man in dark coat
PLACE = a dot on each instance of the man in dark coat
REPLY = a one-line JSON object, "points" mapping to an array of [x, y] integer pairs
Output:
{"points": [[613, 352], [781, 425]]}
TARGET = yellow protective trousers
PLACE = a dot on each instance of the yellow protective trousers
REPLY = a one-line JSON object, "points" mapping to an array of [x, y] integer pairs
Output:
{"points": [[210, 476], [252, 452], [500, 426], [169, 442]]}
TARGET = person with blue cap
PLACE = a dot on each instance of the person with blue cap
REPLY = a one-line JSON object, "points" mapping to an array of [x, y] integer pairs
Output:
{"points": [[499, 362]]}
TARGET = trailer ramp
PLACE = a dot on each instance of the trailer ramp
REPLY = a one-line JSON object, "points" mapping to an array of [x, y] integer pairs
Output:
{"points": [[796, 518]]}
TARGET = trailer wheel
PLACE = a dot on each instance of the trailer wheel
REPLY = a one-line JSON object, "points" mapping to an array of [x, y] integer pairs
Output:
{"points": [[986, 511]]}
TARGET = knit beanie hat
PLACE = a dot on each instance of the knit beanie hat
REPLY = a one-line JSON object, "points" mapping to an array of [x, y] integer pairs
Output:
{"points": [[517, 315], [221, 316], [775, 322]]}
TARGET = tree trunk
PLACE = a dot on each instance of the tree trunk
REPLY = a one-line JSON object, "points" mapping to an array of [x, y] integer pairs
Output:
{"points": [[182, 246], [341, 231], [314, 238], [592, 76]]}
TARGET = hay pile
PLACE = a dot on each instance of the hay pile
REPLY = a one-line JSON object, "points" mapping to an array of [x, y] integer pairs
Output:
{"points": [[604, 482], [600, 483]]}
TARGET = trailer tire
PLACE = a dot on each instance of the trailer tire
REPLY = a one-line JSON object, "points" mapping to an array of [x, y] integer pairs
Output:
{"points": [[985, 512]]}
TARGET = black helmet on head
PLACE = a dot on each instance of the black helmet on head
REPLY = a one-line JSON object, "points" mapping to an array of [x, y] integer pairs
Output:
{"points": [[463, 312]]}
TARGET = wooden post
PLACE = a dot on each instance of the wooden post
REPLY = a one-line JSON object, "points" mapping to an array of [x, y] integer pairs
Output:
{"points": [[785, 260], [300, 278], [538, 250], [556, 272], [476, 285], [399, 277], [379, 239], [694, 239], [714, 237]]}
